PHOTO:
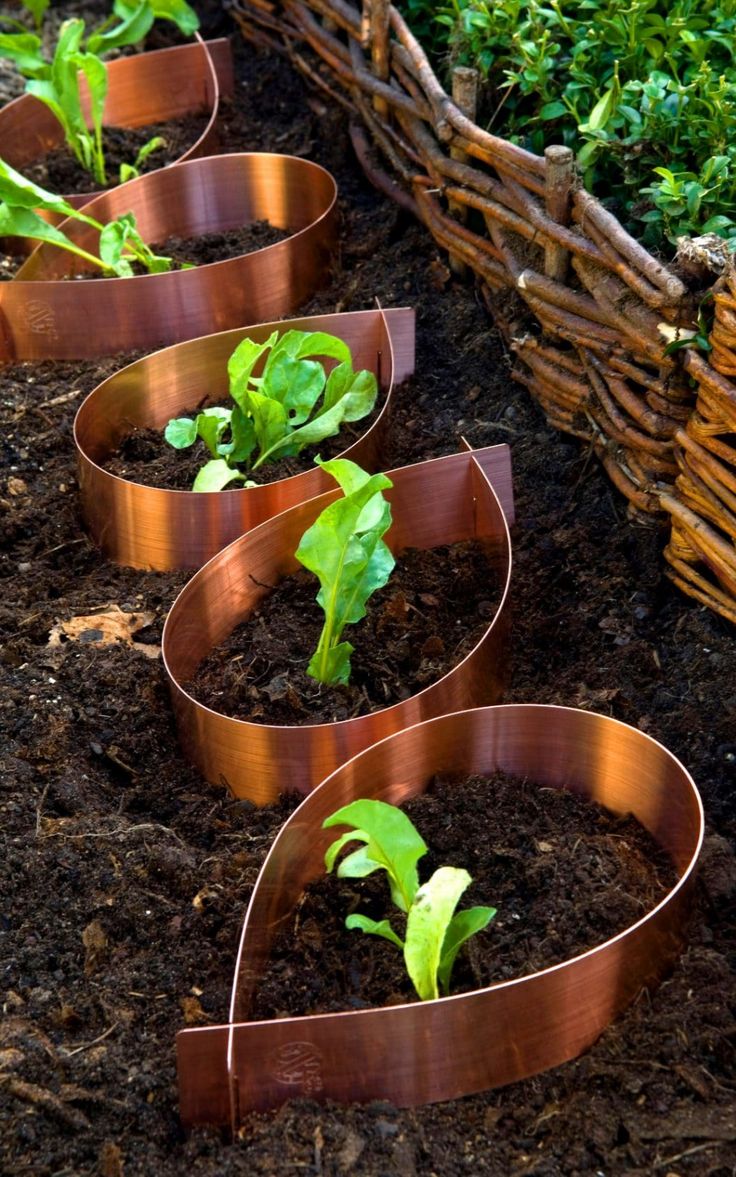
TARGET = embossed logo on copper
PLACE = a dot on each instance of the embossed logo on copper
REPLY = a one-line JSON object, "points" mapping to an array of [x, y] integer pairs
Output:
{"points": [[298, 1064], [39, 318]]}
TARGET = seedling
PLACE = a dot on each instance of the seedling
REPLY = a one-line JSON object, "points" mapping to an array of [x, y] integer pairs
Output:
{"points": [[120, 242], [345, 550], [293, 404], [435, 933], [56, 83]]}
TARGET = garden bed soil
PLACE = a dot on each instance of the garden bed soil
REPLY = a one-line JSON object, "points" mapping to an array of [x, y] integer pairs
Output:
{"points": [[563, 874], [434, 610], [125, 877], [59, 171]]}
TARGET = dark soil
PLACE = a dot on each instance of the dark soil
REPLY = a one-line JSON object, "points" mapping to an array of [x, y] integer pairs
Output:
{"points": [[533, 855], [435, 608], [60, 172], [145, 457], [124, 878]]}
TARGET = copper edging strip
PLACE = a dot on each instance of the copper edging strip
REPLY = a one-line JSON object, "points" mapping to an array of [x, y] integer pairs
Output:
{"points": [[434, 503], [44, 318], [153, 528], [437, 1050]]}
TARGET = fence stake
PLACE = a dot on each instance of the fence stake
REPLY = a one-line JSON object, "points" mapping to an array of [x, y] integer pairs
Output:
{"points": [[559, 176], [465, 97]]}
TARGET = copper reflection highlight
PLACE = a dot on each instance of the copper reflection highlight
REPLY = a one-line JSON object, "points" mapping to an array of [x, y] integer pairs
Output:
{"points": [[143, 89], [149, 527], [42, 317], [455, 1046], [443, 501]]}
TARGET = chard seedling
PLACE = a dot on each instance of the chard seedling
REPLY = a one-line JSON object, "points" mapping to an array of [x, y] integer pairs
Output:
{"points": [[435, 932], [120, 243], [56, 83], [345, 550], [291, 405]]}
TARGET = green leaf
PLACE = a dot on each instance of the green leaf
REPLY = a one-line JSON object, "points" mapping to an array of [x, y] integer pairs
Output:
{"points": [[355, 391], [462, 926], [215, 475], [24, 222], [37, 9], [552, 110], [211, 426], [392, 843], [374, 928], [297, 384], [270, 420], [177, 11], [601, 113], [241, 364], [24, 49], [427, 923], [243, 437], [132, 28], [344, 549], [18, 192], [181, 432]]}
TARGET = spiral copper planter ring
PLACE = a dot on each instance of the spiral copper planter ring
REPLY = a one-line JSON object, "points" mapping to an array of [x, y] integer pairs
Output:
{"points": [[144, 89], [149, 527], [42, 317], [443, 501], [444, 1049]]}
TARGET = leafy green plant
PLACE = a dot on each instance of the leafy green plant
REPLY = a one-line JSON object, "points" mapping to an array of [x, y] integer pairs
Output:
{"points": [[131, 171], [291, 405], [56, 83], [435, 932], [632, 85], [344, 548], [120, 243]]}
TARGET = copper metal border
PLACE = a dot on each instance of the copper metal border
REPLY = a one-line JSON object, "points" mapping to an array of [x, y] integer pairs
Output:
{"points": [[442, 501], [143, 89], [150, 527], [438, 1050], [44, 318]]}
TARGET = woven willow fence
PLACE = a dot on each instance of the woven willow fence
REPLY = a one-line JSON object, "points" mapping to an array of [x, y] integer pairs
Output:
{"points": [[598, 309]]}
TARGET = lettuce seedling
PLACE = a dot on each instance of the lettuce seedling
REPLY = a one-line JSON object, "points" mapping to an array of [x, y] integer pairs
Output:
{"points": [[291, 405], [56, 83], [120, 242], [435, 932], [345, 550]]}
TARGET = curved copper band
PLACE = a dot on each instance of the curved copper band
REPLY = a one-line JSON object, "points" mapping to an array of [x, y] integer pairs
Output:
{"points": [[44, 318], [435, 1050], [149, 527], [143, 89], [443, 501]]}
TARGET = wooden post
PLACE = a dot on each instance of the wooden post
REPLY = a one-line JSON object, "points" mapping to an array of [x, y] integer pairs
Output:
{"points": [[558, 181], [465, 97], [377, 18]]}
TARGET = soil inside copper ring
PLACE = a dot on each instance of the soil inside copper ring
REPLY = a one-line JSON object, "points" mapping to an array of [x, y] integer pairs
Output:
{"points": [[145, 457], [435, 608], [192, 251], [59, 171], [563, 873]]}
